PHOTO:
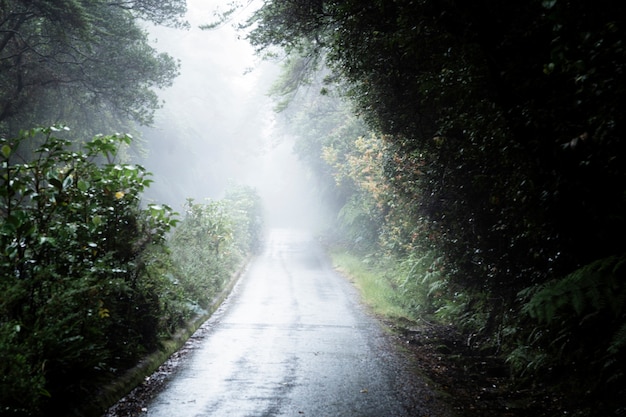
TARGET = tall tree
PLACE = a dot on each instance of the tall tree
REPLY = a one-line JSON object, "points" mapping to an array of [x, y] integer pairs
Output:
{"points": [[456, 85], [69, 60]]}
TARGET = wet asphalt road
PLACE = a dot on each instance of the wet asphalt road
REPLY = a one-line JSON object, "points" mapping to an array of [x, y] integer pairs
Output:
{"points": [[293, 340]]}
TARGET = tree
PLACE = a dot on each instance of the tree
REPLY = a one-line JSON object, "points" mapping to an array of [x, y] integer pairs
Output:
{"points": [[67, 61], [456, 85], [505, 125]]}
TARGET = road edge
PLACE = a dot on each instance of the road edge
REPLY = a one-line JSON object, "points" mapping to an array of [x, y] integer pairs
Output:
{"points": [[108, 395]]}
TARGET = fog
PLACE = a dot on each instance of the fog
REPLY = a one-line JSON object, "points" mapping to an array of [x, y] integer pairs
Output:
{"points": [[217, 127]]}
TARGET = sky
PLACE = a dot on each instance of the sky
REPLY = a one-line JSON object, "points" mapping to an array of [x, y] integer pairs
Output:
{"points": [[217, 126]]}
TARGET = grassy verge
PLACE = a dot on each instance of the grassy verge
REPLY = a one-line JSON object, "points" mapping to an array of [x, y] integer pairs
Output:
{"points": [[376, 290]]}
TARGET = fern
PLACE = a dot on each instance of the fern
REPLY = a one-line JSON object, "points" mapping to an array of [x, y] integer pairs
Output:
{"points": [[581, 321], [595, 287], [437, 286], [619, 340], [421, 282]]}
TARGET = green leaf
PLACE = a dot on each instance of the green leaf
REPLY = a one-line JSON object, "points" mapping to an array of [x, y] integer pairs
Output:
{"points": [[82, 185], [6, 151], [548, 4], [67, 181], [46, 239]]}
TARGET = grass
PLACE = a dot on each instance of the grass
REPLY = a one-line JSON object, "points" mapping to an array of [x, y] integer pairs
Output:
{"points": [[376, 290]]}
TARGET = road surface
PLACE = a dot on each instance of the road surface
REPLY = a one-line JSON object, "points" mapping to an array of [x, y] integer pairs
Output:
{"points": [[293, 340]]}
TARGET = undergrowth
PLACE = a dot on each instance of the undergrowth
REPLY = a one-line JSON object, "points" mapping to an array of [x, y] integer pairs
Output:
{"points": [[90, 280], [578, 331], [375, 288]]}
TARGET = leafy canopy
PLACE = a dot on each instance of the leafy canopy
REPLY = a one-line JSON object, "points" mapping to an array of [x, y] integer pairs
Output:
{"points": [[69, 60]]}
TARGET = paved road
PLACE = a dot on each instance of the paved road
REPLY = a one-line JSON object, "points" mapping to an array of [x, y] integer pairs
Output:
{"points": [[293, 340]]}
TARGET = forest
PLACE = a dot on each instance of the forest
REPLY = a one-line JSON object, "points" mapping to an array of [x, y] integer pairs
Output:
{"points": [[93, 278], [476, 162], [472, 156]]}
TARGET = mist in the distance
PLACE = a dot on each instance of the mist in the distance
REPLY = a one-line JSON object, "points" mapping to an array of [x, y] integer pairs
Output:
{"points": [[216, 127]]}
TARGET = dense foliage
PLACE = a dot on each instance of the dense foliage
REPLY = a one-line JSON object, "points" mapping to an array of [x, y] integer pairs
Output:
{"points": [[90, 279], [213, 239], [80, 293], [66, 61], [499, 168]]}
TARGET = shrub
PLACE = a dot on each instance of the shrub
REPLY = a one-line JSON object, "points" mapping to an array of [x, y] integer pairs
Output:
{"points": [[212, 240], [80, 299]]}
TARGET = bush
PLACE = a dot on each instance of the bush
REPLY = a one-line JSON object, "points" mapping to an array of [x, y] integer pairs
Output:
{"points": [[80, 297], [212, 241]]}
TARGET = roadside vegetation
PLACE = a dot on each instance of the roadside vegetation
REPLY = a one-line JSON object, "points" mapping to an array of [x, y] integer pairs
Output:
{"points": [[375, 288], [474, 156], [91, 280]]}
